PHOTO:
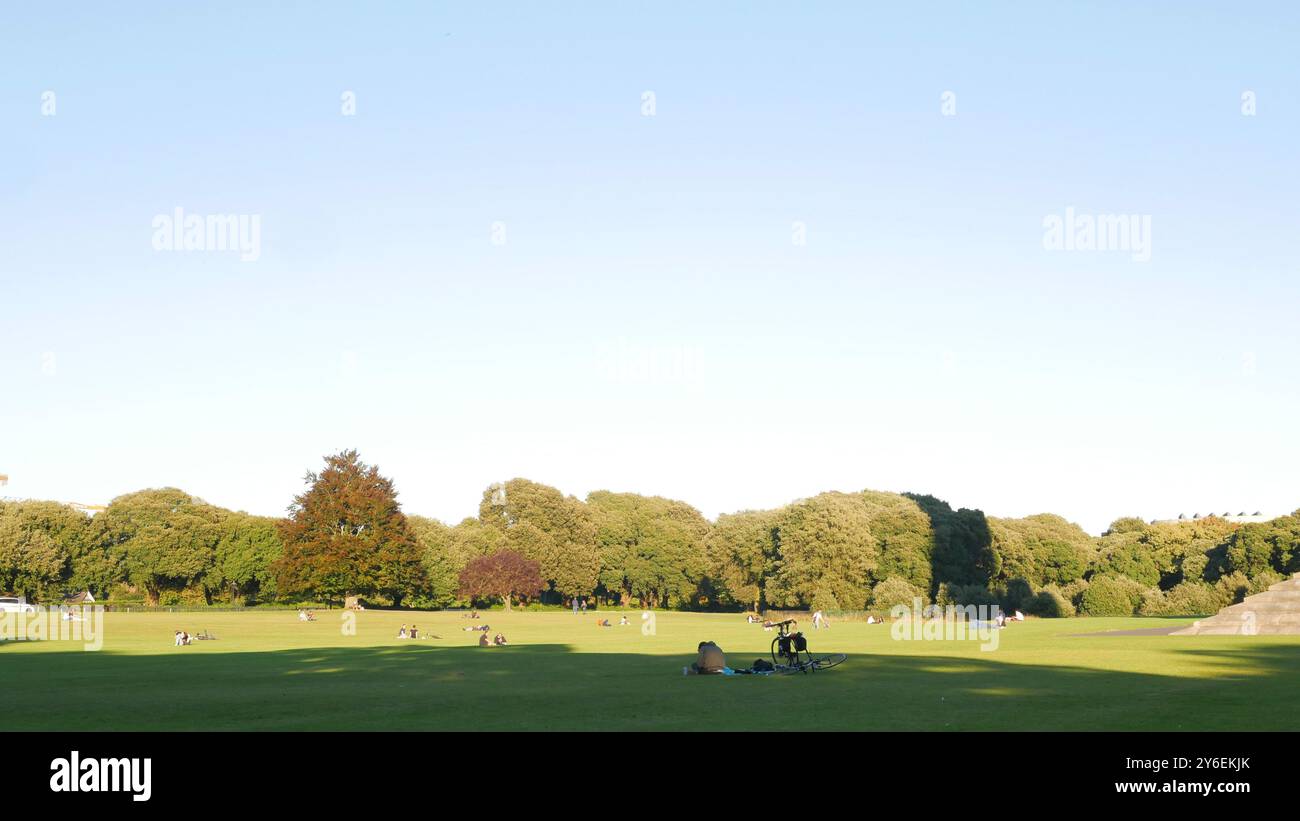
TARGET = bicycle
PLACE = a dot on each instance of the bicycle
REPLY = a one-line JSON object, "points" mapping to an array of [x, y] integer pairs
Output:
{"points": [[790, 651]]}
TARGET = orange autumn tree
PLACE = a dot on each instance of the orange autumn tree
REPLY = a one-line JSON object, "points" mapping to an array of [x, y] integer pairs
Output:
{"points": [[347, 535]]}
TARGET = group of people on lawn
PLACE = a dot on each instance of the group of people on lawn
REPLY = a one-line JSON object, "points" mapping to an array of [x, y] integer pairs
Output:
{"points": [[819, 621]]}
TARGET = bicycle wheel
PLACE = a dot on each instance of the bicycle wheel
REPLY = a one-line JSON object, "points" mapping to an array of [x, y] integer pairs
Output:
{"points": [[777, 658], [827, 662]]}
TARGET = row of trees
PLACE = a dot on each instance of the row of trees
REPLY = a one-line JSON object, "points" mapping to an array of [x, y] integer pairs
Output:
{"points": [[164, 545], [347, 535]]}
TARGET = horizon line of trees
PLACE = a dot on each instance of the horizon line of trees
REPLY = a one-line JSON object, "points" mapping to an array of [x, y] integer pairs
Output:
{"points": [[346, 535]]}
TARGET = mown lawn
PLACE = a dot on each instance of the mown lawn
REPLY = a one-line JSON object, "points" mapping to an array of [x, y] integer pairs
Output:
{"points": [[268, 671]]}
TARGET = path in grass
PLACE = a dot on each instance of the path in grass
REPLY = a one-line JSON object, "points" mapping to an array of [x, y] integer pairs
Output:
{"points": [[268, 671]]}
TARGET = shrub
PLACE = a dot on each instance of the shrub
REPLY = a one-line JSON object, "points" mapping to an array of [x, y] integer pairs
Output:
{"points": [[824, 599], [1050, 603], [894, 591], [1073, 591], [1111, 596], [1153, 602], [1193, 566], [1264, 581], [1192, 599], [1232, 588], [1017, 595], [964, 594]]}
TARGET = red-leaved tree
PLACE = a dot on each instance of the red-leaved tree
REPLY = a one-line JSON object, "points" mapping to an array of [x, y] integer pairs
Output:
{"points": [[501, 575]]}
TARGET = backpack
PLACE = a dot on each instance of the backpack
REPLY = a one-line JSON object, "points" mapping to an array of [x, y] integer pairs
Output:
{"points": [[763, 665]]}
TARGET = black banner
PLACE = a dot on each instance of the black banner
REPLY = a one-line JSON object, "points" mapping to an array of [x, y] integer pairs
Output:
{"points": [[145, 771]]}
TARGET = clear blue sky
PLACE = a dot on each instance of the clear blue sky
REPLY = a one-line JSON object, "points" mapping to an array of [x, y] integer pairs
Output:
{"points": [[922, 339]]}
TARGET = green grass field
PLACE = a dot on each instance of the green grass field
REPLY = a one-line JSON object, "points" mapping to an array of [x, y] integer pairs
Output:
{"points": [[268, 671]]}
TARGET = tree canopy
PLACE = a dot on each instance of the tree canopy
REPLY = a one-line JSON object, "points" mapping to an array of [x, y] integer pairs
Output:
{"points": [[347, 535]]}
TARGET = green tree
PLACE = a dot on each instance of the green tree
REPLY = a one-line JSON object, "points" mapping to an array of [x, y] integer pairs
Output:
{"points": [[36, 545], [894, 591], [828, 554], [445, 551], [651, 548], [905, 539], [545, 525], [1257, 548], [165, 539], [963, 553], [1127, 553], [246, 552], [743, 550], [1042, 549]]}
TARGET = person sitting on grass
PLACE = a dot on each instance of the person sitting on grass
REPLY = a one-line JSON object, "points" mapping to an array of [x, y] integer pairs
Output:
{"points": [[623, 622], [499, 640], [415, 633], [710, 661], [483, 641]]}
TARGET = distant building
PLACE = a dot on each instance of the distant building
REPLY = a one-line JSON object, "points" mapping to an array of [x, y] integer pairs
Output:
{"points": [[1236, 518], [89, 510]]}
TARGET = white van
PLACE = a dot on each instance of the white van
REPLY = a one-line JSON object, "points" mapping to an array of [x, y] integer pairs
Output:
{"points": [[10, 604]]}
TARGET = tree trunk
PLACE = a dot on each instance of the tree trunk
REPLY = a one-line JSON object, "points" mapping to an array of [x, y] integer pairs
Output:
{"points": [[507, 601]]}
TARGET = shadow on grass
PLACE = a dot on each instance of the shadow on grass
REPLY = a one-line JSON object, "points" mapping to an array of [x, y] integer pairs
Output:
{"points": [[550, 687]]}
